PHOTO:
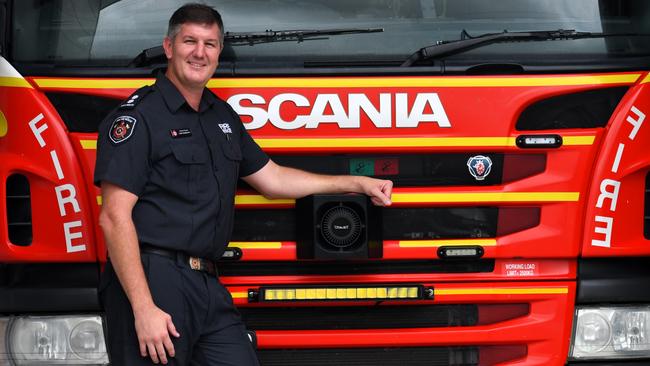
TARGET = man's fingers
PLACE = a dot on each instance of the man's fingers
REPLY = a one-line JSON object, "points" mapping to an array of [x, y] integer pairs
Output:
{"points": [[169, 346], [152, 352], [388, 188], [171, 328], [160, 349], [143, 349], [381, 197]]}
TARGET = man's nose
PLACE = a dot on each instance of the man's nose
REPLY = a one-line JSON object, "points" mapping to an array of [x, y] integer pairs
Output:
{"points": [[199, 50]]}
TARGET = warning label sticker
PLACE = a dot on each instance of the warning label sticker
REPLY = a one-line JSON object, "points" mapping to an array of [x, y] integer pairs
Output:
{"points": [[520, 269]]}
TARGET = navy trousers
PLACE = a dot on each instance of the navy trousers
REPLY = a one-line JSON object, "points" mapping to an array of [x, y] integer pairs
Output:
{"points": [[201, 308]]}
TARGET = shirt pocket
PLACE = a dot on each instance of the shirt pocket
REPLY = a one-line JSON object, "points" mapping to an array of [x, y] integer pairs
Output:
{"points": [[193, 170], [233, 155]]}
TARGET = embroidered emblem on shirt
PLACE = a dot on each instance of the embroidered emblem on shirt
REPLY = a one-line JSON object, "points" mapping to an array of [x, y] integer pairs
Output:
{"points": [[121, 129], [180, 132], [225, 127]]}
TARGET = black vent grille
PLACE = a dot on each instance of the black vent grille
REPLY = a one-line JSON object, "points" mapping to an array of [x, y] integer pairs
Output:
{"points": [[588, 109], [358, 317], [82, 113], [405, 170], [19, 210], [399, 224], [646, 214], [416, 356], [289, 268]]}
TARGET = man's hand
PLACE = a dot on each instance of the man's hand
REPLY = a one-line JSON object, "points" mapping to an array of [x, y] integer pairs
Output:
{"points": [[153, 327], [379, 190]]}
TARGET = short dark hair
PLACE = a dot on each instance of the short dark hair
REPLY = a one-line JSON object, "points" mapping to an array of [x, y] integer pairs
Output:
{"points": [[197, 14]]}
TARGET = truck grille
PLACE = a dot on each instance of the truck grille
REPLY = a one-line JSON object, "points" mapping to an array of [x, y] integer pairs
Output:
{"points": [[19, 210], [280, 268], [358, 317], [400, 223], [424, 356]]}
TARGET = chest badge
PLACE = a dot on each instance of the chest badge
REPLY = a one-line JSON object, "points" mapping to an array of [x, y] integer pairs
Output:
{"points": [[122, 129], [180, 132], [225, 128], [479, 166]]}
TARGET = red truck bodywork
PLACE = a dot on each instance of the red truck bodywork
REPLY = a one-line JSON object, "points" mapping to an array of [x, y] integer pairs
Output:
{"points": [[589, 191]]}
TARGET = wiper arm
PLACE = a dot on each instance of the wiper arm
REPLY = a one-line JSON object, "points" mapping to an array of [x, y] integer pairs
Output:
{"points": [[467, 42], [299, 35], [149, 55]]}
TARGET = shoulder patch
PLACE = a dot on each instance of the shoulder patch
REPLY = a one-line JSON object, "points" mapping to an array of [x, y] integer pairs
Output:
{"points": [[135, 98], [122, 129]]}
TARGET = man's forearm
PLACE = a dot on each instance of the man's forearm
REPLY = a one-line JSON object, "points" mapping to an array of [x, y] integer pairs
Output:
{"points": [[275, 181], [124, 252]]}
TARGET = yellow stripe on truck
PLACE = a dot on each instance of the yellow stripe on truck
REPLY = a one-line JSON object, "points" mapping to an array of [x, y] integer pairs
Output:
{"points": [[353, 82]]}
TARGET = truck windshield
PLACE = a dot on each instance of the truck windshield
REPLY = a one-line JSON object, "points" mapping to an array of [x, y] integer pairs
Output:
{"points": [[112, 33]]}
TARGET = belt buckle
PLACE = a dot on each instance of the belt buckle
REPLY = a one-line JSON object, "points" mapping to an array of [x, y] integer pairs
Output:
{"points": [[195, 263]]}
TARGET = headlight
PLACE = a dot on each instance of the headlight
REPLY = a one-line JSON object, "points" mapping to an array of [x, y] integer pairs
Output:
{"points": [[611, 332], [54, 340]]}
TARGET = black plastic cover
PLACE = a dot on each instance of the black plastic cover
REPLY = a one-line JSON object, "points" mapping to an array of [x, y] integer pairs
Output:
{"points": [[613, 280], [588, 109], [49, 287]]}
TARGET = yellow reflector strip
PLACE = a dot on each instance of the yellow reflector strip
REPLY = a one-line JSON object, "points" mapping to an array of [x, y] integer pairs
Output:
{"points": [[646, 79], [443, 197], [256, 245], [4, 125], [408, 82], [14, 82], [93, 83], [578, 140], [423, 82], [447, 243], [239, 295], [253, 199], [88, 144], [487, 197], [387, 142], [408, 142], [501, 291], [342, 293], [393, 142]]}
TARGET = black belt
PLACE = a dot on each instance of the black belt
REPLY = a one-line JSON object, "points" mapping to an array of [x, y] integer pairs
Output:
{"points": [[195, 263]]}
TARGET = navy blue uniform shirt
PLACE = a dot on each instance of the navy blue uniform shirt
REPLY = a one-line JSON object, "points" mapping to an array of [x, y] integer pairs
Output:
{"points": [[182, 164]]}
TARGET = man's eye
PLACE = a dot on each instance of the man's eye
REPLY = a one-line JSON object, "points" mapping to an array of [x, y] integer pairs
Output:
{"points": [[211, 45], [190, 41]]}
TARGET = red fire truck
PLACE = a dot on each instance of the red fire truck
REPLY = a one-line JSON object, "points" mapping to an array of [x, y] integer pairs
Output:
{"points": [[516, 134]]}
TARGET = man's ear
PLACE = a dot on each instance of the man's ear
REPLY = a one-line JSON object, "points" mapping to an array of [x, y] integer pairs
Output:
{"points": [[167, 46]]}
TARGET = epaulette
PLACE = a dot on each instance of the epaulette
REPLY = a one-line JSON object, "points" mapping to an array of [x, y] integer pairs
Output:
{"points": [[135, 98]]}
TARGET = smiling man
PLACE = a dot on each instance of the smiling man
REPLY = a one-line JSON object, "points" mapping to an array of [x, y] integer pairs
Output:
{"points": [[168, 160]]}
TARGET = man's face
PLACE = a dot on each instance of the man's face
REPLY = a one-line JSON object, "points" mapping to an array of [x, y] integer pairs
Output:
{"points": [[193, 54]]}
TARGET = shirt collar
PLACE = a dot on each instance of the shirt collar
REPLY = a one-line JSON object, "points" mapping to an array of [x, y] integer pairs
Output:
{"points": [[207, 100], [175, 100]]}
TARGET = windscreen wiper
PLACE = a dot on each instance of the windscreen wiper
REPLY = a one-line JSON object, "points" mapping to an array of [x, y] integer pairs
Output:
{"points": [[467, 42], [149, 55], [299, 35]]}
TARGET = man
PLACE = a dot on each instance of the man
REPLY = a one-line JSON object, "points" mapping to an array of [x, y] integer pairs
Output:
{"points": [[168, 161]]}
